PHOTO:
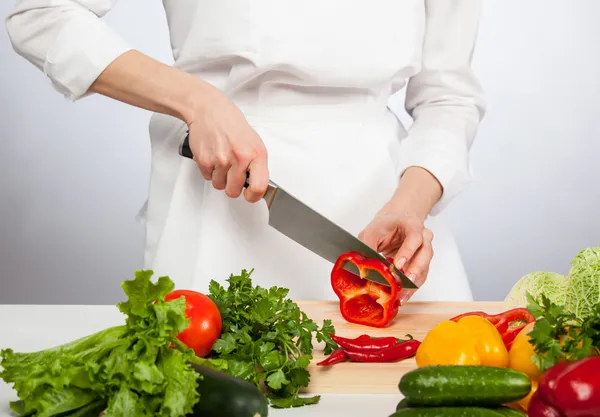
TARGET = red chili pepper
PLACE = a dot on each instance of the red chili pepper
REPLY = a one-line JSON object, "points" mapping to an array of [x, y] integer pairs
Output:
{"points": [[394, 353], [336, 357], [573, 388], [366, 345], [363, 301]]}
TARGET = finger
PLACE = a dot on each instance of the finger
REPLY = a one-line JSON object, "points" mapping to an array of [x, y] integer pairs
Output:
{"points": [[206, 167], [236, 177], [219, 175], [411, 243], [418, 267], [258, 180]]}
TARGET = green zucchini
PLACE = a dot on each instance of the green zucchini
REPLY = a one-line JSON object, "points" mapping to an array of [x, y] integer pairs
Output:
{"points": [[222, 395], [447, 412], [464, 385]]}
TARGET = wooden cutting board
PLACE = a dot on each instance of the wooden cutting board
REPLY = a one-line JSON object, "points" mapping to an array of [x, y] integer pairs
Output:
{"points": [[414, 318]]}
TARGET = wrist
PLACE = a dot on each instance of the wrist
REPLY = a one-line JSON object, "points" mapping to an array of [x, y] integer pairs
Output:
{"points": [[417, 193], [198, 98]]}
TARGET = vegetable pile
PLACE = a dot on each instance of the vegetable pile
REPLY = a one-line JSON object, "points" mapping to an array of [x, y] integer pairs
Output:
{"points": [[549, 341], [228, 353]]}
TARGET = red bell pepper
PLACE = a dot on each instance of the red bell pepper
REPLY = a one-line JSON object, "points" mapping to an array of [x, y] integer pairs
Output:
{"points": [[363, 301], [571, 388], [538, 408]]}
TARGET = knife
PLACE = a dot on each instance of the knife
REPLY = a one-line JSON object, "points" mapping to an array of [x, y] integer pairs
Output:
{"points": [[313, 231]]}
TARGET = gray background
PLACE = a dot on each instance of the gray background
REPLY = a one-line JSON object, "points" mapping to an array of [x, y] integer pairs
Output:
{"points": [[73, 176]]}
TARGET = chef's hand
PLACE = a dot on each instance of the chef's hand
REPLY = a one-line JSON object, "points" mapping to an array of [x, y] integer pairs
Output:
{"points": [[398, 230], [403, 238], [225, 147]]}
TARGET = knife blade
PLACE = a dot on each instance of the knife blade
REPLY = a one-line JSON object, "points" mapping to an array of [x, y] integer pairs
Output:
{"points": [[305, 226]]}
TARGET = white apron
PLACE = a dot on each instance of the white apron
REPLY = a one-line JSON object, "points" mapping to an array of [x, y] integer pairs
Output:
{"points": [[317, 96]]}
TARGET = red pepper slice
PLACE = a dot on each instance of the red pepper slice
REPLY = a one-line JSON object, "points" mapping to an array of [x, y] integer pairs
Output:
{"points": [[363, 301], [336, 357], [394, 353]]}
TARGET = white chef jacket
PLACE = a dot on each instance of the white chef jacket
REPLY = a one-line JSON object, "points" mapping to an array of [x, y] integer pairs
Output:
{"points": [[314, 79]]}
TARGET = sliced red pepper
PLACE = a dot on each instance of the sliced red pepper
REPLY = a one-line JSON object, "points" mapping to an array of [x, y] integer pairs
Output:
{"points": [[336, 357], [370, 344], [363, 301], [394, 353]]}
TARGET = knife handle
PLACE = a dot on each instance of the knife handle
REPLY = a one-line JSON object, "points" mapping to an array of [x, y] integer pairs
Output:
{"points": [[186, 151]]}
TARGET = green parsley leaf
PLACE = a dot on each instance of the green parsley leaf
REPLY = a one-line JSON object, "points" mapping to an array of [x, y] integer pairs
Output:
{"points": [[267, 339]]}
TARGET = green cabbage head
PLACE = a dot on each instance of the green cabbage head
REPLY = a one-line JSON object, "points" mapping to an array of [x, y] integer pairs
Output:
{"points": [[577, 293], [552, 284]]}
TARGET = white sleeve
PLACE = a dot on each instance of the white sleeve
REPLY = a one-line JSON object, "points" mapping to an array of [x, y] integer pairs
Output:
{"points": [[66, 39], [445, 99]]}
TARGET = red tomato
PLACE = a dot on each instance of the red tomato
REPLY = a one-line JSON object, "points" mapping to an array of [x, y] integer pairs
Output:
{"points": [[205, 321]]}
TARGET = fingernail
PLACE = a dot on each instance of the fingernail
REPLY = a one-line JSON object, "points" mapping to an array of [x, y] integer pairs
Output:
{"points": [[412, 277], [400, 262]]}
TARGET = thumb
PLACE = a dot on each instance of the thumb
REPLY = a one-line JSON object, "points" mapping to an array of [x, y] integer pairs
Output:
{"points": [[369, 238]]}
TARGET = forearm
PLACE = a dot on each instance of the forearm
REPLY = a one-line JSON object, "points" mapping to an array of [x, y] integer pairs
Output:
{"points": [[141, 81], [416, 194]]}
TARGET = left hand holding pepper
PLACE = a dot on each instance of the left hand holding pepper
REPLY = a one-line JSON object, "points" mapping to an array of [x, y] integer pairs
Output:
{"points": [[398, 230]]}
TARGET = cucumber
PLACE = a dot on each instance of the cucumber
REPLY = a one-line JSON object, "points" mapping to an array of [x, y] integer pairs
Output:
{"points": [[222, 395], [464, 385], [402, 404], [510, 412], [447, 412]]}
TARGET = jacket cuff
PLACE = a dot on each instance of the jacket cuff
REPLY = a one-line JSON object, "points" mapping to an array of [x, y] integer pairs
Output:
{"points": [[441, 153], [82, 50]]}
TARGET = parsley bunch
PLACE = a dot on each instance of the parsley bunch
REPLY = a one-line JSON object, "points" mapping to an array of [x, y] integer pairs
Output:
{"points": [[560, 335], [127, 370], [266, 339]]}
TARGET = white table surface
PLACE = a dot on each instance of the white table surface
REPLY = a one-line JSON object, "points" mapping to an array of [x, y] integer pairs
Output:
{"points": [[28, 328]]}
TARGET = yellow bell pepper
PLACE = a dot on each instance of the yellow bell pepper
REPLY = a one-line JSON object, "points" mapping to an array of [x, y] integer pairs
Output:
{"points": [[521, 354], [472, 340]]}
